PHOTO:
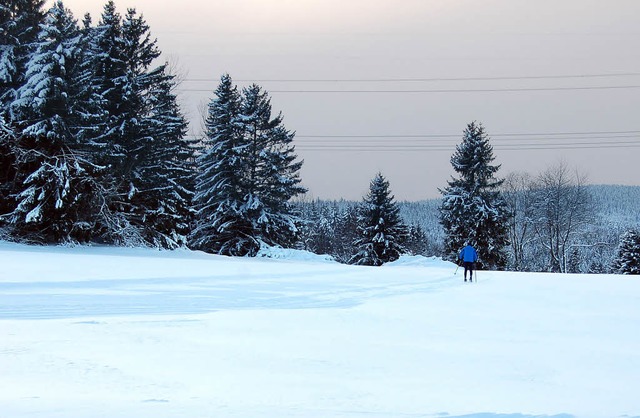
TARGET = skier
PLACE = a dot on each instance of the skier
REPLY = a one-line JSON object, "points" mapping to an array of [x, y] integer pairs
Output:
{"points": [[468, 256]]}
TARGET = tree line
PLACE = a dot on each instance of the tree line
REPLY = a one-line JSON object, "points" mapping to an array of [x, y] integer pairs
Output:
{"points": [[547, 222], [92, 138], [93, 144], [93, 149]]}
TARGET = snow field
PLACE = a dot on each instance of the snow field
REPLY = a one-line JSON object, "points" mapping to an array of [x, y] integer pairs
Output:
{"points": [[106, 332]]}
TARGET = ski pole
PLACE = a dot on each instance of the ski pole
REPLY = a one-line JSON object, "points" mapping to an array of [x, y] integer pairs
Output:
{"points": [[457, 267]]}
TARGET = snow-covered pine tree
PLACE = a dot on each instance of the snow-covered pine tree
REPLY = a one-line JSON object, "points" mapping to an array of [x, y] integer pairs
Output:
{"points": [[273, 177], [417, 242], [104, 74], [132, 142], [107, 67], [472, 208], [7, 169], [382, 233], [627, 259], [318, 230], [220, 224], [44, 102], [166, 172], [122, 82], [90, 106], [248, 175], [19, 26], [346, 231], [55, 195]]}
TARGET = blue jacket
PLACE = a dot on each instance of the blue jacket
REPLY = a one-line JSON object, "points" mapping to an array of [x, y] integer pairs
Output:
{"points": [[468, 254]]}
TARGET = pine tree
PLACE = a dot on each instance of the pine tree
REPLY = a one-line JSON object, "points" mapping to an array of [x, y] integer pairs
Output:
{"points": [[53, 203], [44, 103], [7, 169], [91, 105], [382, 233], [126, 136], [346, 233], [100, 131], [417, 240], [627, 260], [131, 140], [19, 26], [248, 176], [220, 226], [273, 177], [472, 208], [318, 229], [165, 180]]}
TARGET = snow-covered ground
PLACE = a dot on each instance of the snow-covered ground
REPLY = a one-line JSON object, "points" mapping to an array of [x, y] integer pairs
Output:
{"points": [[132, 333]]}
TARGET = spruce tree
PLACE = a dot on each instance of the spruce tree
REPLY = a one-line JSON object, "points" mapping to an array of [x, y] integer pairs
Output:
{"points": [[45, 101], [273, 177], [122, 84], [19, 25], [417, 243], [20, 22], [627, 259], [165, 182], [346, 233], [91, 105], [382, 233], [248, 175], [472, 209], [220, 225], [131, 141], [7, 169], [319, 230], [52, 205]]}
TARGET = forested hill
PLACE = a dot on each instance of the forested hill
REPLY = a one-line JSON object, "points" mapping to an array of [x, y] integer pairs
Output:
{"points": [[618, 205], [613, 204], [613, 210]]}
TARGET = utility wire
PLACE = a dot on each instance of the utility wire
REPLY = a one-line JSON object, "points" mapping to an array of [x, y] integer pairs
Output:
{"points": [[447, 90], [403, 80], [501, 141], [463, 90], [414, 145], [394, 148], [618, 134]]}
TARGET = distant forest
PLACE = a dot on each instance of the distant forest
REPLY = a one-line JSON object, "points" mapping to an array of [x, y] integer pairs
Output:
{"points": [[331, 224]]}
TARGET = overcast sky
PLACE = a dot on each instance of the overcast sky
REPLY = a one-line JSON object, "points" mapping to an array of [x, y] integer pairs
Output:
{"points": [[517, 52]]}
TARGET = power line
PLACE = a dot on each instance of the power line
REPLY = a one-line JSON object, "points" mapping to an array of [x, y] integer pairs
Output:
{"points": [[503, 143], [406, 148], [410, 145], [403, 80], [539, 134], [522, 89], [573, 134]]}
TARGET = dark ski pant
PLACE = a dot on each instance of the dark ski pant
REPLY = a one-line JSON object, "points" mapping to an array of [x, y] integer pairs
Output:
{"points": [[468, 266]]}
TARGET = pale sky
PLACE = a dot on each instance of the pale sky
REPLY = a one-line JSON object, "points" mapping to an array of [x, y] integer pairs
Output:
{"points": [[422, 46]]}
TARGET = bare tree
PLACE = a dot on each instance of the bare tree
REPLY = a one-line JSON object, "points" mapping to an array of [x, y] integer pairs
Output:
{"points": [[562, 210], [518, 193]]}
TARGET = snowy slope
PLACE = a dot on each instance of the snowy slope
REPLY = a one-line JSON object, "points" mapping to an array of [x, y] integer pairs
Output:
{"points": [[104, 332]]}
